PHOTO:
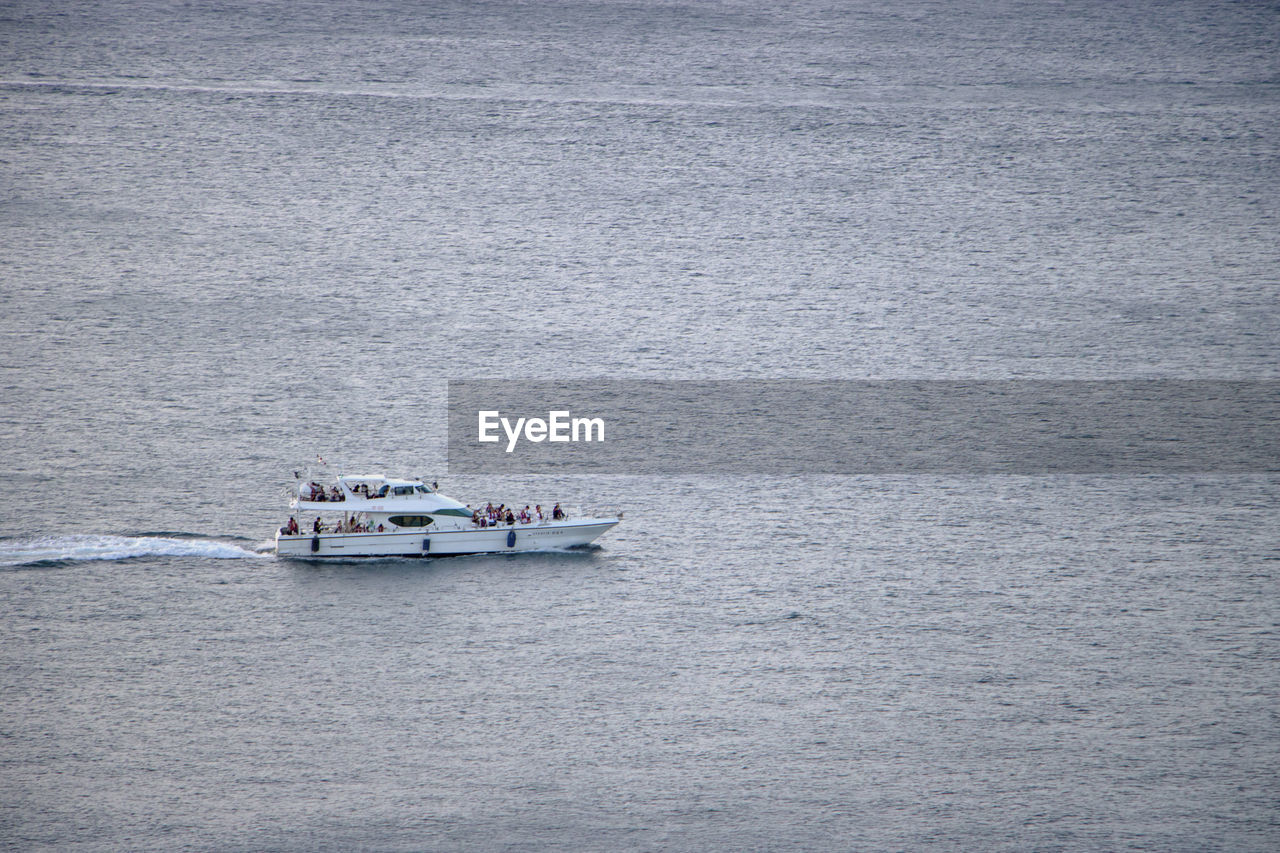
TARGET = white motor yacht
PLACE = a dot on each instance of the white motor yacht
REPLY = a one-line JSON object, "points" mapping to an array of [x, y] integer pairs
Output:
{"points": [[380, 516]]}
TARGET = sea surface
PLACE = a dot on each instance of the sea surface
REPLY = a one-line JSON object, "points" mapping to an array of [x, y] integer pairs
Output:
{"points": [[236, 237]]}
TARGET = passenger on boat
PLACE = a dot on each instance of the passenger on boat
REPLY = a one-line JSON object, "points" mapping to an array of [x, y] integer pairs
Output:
{"points": [[291, 528], [539, 509], [511, 518], [557, 513], [317, 526]]}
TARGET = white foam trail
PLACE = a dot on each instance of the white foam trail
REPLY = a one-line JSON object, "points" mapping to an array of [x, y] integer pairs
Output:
{"points": [[516, 94], [17, 552]]}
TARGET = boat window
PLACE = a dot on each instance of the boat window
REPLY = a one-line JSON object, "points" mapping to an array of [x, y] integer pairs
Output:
{"points": [[423, 489], [403, 490], [410, 520]]}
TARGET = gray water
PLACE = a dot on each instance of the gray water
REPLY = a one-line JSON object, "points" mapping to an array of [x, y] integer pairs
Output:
{"points": [[236, 237]]}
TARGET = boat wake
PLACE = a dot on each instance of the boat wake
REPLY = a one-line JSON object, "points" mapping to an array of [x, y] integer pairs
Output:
{"points": [[37, 551]]}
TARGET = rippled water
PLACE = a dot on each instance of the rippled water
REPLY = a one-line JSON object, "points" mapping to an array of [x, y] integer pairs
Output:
{"points": [[235, 238]]}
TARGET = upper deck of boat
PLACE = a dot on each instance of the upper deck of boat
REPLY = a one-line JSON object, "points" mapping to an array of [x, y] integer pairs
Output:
{"points": [[372, 493]]}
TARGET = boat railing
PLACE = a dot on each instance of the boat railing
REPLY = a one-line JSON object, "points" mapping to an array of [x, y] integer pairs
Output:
{"points": [[568, 514]]}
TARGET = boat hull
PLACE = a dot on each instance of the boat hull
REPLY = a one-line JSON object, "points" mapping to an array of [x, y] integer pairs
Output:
{"points": [[444, 543]]}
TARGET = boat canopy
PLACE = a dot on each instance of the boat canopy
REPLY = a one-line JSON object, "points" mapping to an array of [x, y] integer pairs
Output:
{"points": [[383, 479]]}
